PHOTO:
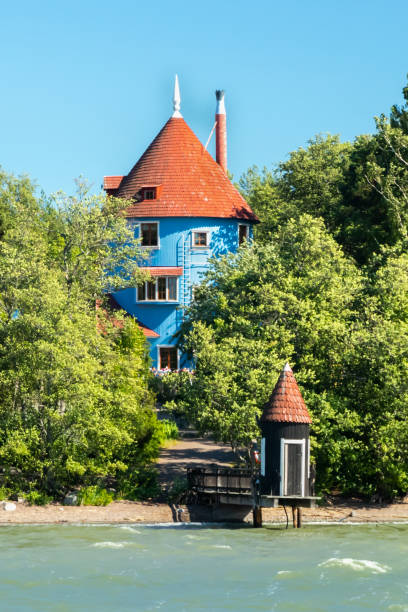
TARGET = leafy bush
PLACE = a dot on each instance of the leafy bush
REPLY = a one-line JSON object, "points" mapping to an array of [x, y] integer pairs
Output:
{"points": [[139, 484], [94, 496], [170, 429], [170, 386], [4, 493], [177, 490], [37, 498]]}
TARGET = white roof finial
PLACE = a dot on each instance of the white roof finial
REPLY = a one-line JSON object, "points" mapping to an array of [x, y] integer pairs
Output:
{"points": [[176, 99]]}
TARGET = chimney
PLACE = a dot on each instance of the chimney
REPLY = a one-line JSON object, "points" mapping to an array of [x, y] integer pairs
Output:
{"points": [[221, 131]]}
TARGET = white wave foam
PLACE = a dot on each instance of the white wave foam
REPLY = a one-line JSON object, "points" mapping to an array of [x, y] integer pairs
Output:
{"points": [[221, 546], [183, 525], [110, 544], [129, 528], [358, 565], [283, 572]]}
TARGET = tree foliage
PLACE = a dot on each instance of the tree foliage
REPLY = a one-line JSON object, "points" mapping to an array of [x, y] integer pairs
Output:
{"points": [[291, 300], [325, 286], [359, 189], [345, 332], [74, 400], [399, 114]]}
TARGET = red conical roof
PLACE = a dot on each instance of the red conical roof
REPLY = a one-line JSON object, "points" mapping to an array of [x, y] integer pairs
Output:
{"points": [[188, 182], [286, 403]]}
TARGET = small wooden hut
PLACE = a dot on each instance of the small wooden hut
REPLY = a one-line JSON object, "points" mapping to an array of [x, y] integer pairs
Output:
{"points": [[285, 445]]}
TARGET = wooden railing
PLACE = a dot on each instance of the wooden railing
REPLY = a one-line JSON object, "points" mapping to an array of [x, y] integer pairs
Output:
{"points": [[219, 480]]}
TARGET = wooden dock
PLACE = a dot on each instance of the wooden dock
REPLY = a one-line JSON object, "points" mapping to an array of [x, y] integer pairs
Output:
{"points": [[240, 487]]}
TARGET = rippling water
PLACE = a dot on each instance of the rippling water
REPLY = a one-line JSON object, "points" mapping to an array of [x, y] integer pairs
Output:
{"points": [[64, 568]]}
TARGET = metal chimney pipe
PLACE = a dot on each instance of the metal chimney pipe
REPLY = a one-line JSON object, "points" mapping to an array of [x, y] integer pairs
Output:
{"points": [[221, 131]]}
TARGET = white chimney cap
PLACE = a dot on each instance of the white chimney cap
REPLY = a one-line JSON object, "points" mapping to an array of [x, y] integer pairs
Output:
{"points": [[219, 94]]}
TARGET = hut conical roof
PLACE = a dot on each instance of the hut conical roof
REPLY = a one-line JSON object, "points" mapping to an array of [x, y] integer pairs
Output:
{"points": [[286, 403]]}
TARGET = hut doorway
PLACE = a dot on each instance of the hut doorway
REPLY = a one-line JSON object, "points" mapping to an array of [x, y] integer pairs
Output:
{"points": [[292, 467]]}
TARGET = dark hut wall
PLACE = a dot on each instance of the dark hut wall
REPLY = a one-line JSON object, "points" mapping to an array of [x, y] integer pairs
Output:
{"points": [[273, 432]]}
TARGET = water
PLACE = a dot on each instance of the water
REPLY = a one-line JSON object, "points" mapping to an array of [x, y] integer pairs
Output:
{"points": [[115, 568]]}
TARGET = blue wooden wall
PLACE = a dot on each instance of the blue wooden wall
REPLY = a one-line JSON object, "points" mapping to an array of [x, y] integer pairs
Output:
{"points": [[175, 249]]}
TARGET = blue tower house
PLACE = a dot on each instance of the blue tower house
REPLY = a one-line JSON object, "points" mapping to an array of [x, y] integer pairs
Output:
{"points": [[185, 211]]}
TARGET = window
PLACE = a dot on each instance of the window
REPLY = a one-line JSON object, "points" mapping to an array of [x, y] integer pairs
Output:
{"points": [[149, 233], [243, 233], [200, 239], [141, 292], [168, 358], [162, 289], [171, 288], [149, 194], [151, 290]]}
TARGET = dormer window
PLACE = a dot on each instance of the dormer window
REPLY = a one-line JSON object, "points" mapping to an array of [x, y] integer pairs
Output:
{"points": [[149, 193]]}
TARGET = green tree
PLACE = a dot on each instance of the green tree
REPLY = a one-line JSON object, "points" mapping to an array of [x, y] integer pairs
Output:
{"points": [[344, 330], [312, 179], [74, 400], [311, 182], [291, 300], [14, 192], [262, 192], [399, 114], [359, 189], [91, 242], [375, 378], [389, 179]]}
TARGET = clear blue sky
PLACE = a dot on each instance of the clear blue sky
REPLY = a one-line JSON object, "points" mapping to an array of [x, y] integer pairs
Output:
{"points": [[86, 85]]}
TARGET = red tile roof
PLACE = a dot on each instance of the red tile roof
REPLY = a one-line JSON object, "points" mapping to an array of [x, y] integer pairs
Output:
{"points": [[163, 271], [286, 403], [149, 333], [192, 183], [112, 182], [113, 305]]}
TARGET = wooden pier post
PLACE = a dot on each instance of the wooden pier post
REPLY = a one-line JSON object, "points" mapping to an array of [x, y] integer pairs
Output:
{"points": [[294, 517], [299, 517], [257, 516]]}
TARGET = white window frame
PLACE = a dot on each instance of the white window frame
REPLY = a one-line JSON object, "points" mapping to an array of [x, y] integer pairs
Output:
{"points": [[282, 464], [140, 223], [155, 279], [198, 246], [247, 231], [159, 346]]}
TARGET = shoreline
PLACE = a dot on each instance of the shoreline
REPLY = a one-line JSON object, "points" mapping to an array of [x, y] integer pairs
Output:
{"points": [[150, 513], [204, 524]]}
